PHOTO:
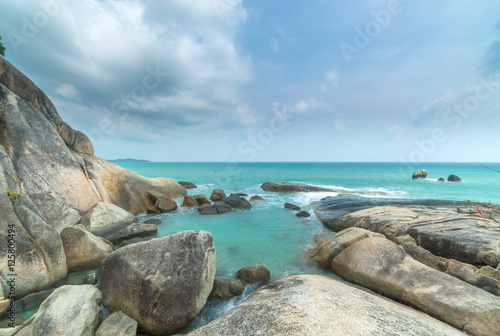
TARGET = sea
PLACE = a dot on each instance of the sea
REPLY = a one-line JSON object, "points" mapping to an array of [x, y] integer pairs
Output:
{"points": [[272, 235]]}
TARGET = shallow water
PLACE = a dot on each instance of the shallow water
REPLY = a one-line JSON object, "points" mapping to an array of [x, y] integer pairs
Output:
{"points": [[272, 235]]}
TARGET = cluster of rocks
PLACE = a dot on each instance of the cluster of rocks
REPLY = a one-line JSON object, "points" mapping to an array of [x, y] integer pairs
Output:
{"points": [[422, 174], [223, 204], [300, 213], [227, 288]]}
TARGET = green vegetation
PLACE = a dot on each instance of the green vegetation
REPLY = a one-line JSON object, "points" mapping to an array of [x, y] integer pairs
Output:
{"points": [[2, 48], [12, 194]]}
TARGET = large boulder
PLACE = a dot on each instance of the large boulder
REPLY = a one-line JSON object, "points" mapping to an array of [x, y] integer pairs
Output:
{"points": [[420, 174], [237, 202], [201, 199], [71, 311], [163, 283], [132, 231], [56, 214], [118, 324], [444, 233], [83, 250], [381, 265], [217, 195], [189, 201], [318, 305], [188, 185], [106, 218], [291, 206], [166, 204], [454, 178], [254, 274]]}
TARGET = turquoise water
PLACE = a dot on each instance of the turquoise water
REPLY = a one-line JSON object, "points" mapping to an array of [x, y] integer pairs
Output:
{"points": [[272, 235]]}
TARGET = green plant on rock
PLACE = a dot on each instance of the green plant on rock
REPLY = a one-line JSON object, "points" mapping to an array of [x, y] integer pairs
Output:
{"points": [[12, 194]]}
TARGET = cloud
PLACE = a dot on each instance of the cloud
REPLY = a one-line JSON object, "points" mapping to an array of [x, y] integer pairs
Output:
{"points": [[306, 106], [332, 79], [67, 90]]}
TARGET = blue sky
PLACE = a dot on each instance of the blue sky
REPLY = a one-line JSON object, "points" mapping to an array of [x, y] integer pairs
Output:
{"points": [[230, 80]]}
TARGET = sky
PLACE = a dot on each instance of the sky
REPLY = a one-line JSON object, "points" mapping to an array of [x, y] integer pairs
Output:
{"points": [[245, 81]]}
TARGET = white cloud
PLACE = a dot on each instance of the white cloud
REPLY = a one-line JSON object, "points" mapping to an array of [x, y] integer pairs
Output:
{"points": [[67, 90], [306, 106], [332, 80]]}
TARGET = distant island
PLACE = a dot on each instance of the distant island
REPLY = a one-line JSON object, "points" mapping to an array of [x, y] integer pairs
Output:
{"points": [[127, 160]]}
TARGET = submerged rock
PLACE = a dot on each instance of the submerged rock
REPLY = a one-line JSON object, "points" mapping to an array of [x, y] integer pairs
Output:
{"points": [[320, 305], [254, 274], [162, 284], [441, 179], [381, 265], [291, 206], [156, 221], [420, 174], [256, 198]]}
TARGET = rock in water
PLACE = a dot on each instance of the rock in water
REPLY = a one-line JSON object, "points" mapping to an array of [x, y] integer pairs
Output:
{"points": [[163, 283], [454, 178], [381, 265], [83, 250], [315, 305], [441, 179], [254, 274], [166, 205], [188, 185], [104, 218], [118, 324], [303, 214], [226, 288], [291, 206], [420, 174], [71, 311], [189, 201], [237, 202], [256, 198], [217, 195]]}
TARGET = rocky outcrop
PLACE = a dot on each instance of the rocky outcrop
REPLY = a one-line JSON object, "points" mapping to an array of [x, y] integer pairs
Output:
{"points": [[444, 233], [291, 206], [225, 289], [188, 185], [303, 214], [105, 218], [83, 250], [71, 311], [254, 274], [217, 208], [42, 154], [313, 305], [383, 266], [454, 178], [117, 324], [420, 174], [162, 283], [166, 205], [55, 213], [292, 187], [217, 195]]}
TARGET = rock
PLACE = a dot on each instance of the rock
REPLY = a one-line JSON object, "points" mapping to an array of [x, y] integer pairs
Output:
{"points": [[291, 206], [90, 279], [83, 250], [292, 187], [67, 133], [56, 214], [222, 207], [256, 198], [324, 251], [155, 221], [441, 179], [454, 178], [189, 201], [188, 185], [201, 199], [155, 196], [225, 289], [254, 274], [217, 195], [153, 209], [383, 266], [241, 194], [321, 305], [105, 218], [303, 214], [208, 211], [118, 324], [237, 202], [166, 205], [163, 283], [445, 233], [420, 174], [71, 311], [219, 207], [132, 231], [82, 144], [40, 260]]}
